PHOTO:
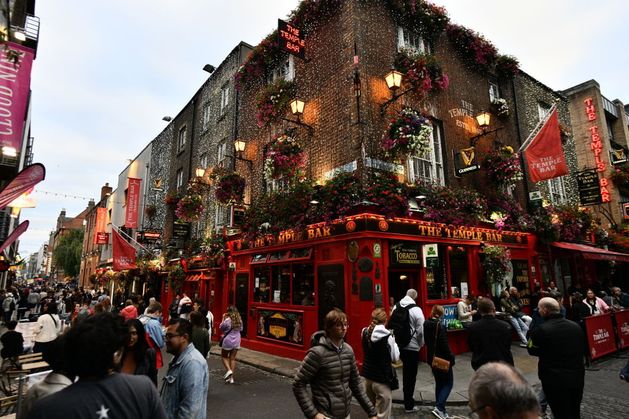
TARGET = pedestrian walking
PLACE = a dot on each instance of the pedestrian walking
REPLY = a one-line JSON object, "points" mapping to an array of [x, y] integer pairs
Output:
{"points": [[489, 339], [380, 350], [407, 322], [154, 334], [47, 329], [12, 343], [130, 311], [436, 337], [8, 306], [330, 370], [230, 326], [560, 345], [200, 335], [498, 390], [138, 358], [92, 350], [185, 386]]}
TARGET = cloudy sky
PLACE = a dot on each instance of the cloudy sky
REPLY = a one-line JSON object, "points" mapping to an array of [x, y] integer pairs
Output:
{"points": [[108, 71]]}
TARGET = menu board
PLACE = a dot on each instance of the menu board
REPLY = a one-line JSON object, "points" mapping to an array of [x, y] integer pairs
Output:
{"points": [[521, 280]]}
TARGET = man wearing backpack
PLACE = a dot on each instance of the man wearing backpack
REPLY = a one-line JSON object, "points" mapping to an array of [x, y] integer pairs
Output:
{"points": [[407, 323]]}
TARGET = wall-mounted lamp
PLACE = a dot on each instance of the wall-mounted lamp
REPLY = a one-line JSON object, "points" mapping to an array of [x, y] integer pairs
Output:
{"points": [[297, 108], [394, 82], [209, 68], [239, 147], [483, 119], [199, 172], [167, 118], [9, 151]]}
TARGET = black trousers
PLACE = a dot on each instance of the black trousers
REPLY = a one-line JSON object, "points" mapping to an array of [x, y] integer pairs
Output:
{"points": [[410, 361], [564, 402]]}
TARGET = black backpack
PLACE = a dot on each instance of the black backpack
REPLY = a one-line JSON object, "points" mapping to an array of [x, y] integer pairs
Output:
{"points": [[400, 324]]}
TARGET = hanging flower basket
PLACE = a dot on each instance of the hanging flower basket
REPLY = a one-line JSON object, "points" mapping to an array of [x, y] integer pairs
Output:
{"points": [[150, 211], [272, 102], [500, 108], [171, 200], [408, 134], [503, 167], [190, 208], [620, 177], [230, 188], [422, 72], [496, 263], [284, 158]]}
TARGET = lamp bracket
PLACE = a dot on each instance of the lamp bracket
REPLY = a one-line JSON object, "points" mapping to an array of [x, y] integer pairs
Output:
{"points": [[237, 157], [395, 97], [303, 124], [475, 139]]}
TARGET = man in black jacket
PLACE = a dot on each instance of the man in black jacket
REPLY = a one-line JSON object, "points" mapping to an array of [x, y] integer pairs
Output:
{"points": [[560, 345], [489, 339]]}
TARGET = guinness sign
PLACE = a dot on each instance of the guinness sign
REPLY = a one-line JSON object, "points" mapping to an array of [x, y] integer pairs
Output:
{"points": [[465, 161]]}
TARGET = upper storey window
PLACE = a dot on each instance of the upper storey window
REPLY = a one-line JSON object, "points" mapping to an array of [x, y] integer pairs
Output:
{"points": [[284, 70], [408, 39]]}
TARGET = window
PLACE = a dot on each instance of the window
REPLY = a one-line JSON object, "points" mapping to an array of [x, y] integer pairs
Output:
{"points": [[179, 182], [222, 216], [542, 110], [204, 161], [224, 97], [408, 39], [285, 70], [278, 185], [458, 271], [557, 190], [206, 116], [284, 283], [181, 140], [428, 168], [494, 92], [221, 153], [436, 280]]}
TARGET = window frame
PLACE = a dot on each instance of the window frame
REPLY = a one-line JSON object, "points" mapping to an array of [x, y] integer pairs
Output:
{"points": [[225, 92], [221, 153], [179, 179], [264, 269], [205, 118], [404, 41], [437, 166], [182, 138], [494, 92], [284, 70]]}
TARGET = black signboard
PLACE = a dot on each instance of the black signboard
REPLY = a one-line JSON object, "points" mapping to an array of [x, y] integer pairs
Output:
{"points": [[181, 230], [405, 254], [465, 161], [618, 156], [291, 39], [589, 187]]}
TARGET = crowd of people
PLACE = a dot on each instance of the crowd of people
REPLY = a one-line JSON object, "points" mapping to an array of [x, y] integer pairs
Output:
{"points": [[106, 355]]}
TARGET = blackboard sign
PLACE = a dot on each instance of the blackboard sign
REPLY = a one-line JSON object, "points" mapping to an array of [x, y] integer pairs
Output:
{"points": [[589, 187], [181, 230], [405, 254]]}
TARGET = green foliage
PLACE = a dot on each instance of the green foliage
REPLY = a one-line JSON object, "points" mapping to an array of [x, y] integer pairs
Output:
{"points": [[67, 254]]}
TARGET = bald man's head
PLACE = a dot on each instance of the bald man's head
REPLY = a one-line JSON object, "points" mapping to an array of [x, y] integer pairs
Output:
{"points": [[548, 306]]}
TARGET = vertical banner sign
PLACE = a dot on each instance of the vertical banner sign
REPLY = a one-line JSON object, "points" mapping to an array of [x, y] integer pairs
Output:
{"points": [[600, 335], [24, 181], [622, 323], [14, 235], [133, 202], [100, 234], [596, 145], [544, 154], [291, 39], [15, 82], [123, 253]]}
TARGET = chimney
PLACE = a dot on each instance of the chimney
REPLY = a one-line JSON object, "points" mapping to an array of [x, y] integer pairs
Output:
{"points": [[105, 191]]}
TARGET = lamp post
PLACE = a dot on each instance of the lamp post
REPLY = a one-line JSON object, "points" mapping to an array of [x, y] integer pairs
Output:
{"points": [[483, 119]]}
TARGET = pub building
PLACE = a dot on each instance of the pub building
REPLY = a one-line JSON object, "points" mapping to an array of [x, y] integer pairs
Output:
{"points": [[284, 285]]}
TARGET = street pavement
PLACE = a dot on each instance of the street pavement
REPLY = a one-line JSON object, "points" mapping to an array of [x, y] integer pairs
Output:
{"points": [[265, 386]]}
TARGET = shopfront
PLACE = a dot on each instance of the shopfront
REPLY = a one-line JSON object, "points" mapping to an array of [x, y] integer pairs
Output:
{"points": [[284, 285]]}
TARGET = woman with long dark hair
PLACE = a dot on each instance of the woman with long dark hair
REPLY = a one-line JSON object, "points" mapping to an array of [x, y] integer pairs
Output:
{"points": [[138, 358], [231, 326], [436, 338], [380, 350]]}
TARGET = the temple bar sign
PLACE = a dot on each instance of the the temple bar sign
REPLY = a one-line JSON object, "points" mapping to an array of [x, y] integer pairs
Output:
{"points": [[291, 39]]}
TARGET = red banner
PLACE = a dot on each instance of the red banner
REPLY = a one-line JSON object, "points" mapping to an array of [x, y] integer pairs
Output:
{"points": [[24, 181], [123, 253], [133, 202], [544, 155], [14, 235], [622, 323], [15, 83], [600, 334], [100, 235]]}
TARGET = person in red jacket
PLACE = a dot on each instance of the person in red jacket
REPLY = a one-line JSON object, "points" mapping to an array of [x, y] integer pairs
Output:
{"points": [[130, 311]]}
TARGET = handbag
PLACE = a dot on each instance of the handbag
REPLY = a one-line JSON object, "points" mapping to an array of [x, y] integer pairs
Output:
{"points": [[220, 342], [394, 384], [439, 363]]}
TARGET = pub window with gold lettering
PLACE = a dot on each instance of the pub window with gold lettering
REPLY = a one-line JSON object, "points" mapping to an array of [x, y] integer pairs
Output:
{"points": [[289, 284]]}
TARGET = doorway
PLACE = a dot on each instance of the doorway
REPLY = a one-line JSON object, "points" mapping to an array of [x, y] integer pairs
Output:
{"points": [[242, 299], [331, 290], [400, 281]]}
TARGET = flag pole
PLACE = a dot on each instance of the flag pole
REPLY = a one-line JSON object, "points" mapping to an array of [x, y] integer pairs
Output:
{"points": [[129, 237], [537, 128]]}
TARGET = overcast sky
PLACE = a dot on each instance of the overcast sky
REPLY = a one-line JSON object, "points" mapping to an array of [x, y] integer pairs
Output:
{"points": [[108, 71]]}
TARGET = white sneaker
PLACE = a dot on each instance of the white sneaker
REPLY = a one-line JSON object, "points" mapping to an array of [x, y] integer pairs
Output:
{"points": [[415, 409], [438, 413], [231, 380], [227, 375]]}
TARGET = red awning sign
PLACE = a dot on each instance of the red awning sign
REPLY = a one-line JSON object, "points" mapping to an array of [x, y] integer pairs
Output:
{"points": [[592, 253]]}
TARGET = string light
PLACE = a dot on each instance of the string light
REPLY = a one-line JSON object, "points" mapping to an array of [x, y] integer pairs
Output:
{"points": [[63, 195]]}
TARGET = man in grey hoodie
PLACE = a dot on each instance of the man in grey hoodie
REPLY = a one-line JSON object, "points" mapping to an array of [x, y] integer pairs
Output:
{"points": [[410, 353]]}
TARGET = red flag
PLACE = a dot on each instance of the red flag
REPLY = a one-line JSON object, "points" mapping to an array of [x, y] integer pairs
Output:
{"points": [[544, 155], [14, 235], [100, 235], [133, 201], [123, 252], [24, 181]]}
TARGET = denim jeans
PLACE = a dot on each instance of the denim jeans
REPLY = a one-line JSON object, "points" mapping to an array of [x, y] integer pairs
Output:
{"points": [[520, 327], [443, 387]]}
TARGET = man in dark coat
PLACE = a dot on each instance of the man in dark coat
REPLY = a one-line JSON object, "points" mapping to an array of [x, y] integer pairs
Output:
{"points": [[560, 345], [489, 339]]}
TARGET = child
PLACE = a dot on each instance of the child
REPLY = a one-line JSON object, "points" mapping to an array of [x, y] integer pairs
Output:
{"points": [[12, 342]]}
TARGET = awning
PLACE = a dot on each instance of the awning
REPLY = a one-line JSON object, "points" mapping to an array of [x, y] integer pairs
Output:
{"points": [[592, 253], [193, 277]]}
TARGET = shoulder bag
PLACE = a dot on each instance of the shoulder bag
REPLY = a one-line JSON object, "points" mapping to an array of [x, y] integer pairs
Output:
{"points": [[220, 342], [439, 363]]}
